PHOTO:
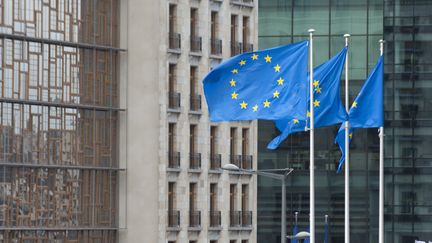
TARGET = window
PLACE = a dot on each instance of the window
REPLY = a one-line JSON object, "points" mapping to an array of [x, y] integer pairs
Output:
{"points": [[233, 132], [194, 22], [195, 158], [173, 155], [245, 141], [233, 28], [193, 80], [192, 139], [246, 34], [192, 196], [195, 98], [233, 195], [174, 37], [245, 197], [213, 131], [214, 25], [213, 197], [171, 196], [173, 96]]}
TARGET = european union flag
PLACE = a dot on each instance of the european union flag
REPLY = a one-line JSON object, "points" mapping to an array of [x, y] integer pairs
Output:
{"points": [[328, 108], [268, 84], [367, 110]]}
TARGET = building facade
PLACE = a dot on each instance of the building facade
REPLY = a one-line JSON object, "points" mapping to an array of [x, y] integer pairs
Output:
{"points": [[406, 28], [104, 130]]}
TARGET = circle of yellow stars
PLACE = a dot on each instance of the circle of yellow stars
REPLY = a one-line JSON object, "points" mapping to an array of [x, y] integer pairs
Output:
{"points": [[265, 104]]}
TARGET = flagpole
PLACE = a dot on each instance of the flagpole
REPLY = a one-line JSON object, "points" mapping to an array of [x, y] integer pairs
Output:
{"points": [[381, 173], [311, 133], [347, 192]]}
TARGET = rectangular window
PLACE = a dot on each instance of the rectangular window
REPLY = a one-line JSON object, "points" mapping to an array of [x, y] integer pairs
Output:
{"points": [[245, 141], [245, 31], [171, 137], [171, 78], [171, 196], [194, 22], [233, 139], [234, 29], [213, 131], [192, 139], [172, 18], [214, 25], [233, 195], [245, 197], [193, 80], [213, 197], [192, 196]]}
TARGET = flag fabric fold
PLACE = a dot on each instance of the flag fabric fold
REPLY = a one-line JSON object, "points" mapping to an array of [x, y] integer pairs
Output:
{"points": [[328, 107], [367, 110], [267, 84]]}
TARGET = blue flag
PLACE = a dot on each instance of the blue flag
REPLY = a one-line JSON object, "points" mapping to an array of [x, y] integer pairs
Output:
{"points": [[328, 107], [367, 110], [295, 231], [268, 84]]}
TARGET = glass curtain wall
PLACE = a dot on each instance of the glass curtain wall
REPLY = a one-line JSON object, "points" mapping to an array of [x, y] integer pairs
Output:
{"points": [[407, 29], [286, 21], [58, 120]]}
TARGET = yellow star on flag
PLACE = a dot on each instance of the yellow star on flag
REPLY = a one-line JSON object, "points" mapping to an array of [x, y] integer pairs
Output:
{"points": [[232, 82], [255, 108], [276, 94], [280, 81], [254, 57], [234, 95], [267, 58], [295, 121], [277, 68], [308, 114], [266, 103], [318, 90], [234, 71], [354, 105], [350, 135], [315, 83], [243, 105], [316, 103], [242, 62]]}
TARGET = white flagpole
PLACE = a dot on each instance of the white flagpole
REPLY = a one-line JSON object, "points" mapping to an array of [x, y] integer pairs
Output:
{"points": [[347, 191], [381, 173], [311, 133]]}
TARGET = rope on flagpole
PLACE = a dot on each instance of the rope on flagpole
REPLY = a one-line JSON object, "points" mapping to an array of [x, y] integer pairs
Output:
{"points": [[347, 180], [311, 147]]}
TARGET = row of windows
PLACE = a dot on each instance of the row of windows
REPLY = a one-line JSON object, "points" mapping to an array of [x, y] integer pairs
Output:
{"points": [[242, 158], [237, 47], [239, 216]]}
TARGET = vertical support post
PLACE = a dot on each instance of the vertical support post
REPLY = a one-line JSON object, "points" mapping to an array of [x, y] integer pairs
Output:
{"points": [[311, 133], [283, 230], [347, 181], [381, 173]]}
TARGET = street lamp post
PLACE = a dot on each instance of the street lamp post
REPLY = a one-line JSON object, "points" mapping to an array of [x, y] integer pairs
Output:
{"points": [[271, 173]]}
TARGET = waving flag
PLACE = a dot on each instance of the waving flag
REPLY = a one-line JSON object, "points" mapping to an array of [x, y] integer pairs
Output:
{"points": [[328, 108], [367, 110], [268, 84]]}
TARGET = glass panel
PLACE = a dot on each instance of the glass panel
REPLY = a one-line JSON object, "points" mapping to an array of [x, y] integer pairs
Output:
{"points": [[348, 17], [311, 14], [274, 17]]}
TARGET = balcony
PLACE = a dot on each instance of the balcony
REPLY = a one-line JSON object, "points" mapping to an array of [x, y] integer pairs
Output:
{"points": [[247, 47], [215, 47], [246, 3], [174, 42], [174, 100], [246, 218], [195, 161], [174, 160], [240, 220], [195, 44], [246, 162], [194, 219], [235, 219], [174, 219], [236, 160], [236, 48], [195, 103], [215, 219], [215, 162]]}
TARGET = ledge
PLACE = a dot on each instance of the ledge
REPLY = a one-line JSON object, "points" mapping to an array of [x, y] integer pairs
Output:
{"points": [[194, 170], [215, 171], [199, 113], [172, 110], [174, 51], [239, 228], [217, 57], [176, 170], [195, 228], [171, 228], [215, 228], [195, 54]]}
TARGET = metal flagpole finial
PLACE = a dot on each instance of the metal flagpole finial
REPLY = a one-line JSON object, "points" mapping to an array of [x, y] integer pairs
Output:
{"points": [[347, 35], [311, 30], [381, 41], [326, 218]]}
